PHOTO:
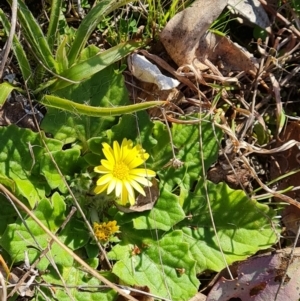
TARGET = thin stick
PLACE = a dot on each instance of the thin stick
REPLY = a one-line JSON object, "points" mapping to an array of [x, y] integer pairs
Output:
{"points": [[14, 7], [3, 289]]}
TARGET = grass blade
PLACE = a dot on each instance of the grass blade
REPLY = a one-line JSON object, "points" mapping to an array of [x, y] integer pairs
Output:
{"points": [[89, 67], [89, 23], [19, 52], [53, 24], [35, 37]]}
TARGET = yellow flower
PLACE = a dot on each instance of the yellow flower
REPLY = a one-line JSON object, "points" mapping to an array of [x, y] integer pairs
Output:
{"points": [[104, 231], [120, 172]]}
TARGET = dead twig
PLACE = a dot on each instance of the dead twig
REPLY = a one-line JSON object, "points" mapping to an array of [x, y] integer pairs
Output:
{"points": [[14, 7], [280, 17]]}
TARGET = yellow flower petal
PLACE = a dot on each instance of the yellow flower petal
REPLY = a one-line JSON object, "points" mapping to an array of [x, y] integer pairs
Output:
{"points": [[137, 187], [119, 187], [143, 181], [109, 155], [120, 172], [100, 189], [117, 151], [124, 196], [107, 165], [104, 179], [111, 186], [129, 189], [135, 163], [143, 172], [131, 200], [101, 169]]}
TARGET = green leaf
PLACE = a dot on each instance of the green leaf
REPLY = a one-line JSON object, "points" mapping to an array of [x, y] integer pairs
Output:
{"points": [[136, 127], [19, 238], [165, 214], [77, 278], [23, 157], [162, 152], [53, 23], [89, 23], [73, 107], [69, 127], [20, 163], [61, 55], [5, 90], [75, 234], [8, 213], [66, 160], [165, 266], [34, 36], [188, 148], [19, 53], [243, 226], [83, 70]]}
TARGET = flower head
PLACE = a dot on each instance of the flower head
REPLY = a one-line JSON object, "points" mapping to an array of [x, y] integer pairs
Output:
{"points": [[104, 231], [120, 172]]}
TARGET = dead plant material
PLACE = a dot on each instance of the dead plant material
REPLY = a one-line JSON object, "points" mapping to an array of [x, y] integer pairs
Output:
{"points": [[238, 177], [272, 276], [160, 62], [280, 17], [140, 293], [187, 41], [183, 32], [284, 163], [15, 112], [220, 50]]}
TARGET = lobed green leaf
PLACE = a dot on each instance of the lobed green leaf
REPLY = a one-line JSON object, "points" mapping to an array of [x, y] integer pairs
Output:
{"points": [[164, 264], [20, 238]]}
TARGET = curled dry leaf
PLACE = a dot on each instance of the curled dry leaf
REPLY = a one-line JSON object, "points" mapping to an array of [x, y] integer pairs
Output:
{"points": [[182, 33], [145, 71], [260, 278], [219, 49], [186, 39]]}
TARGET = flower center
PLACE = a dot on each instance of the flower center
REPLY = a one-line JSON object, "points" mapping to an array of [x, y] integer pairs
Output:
{"points": [[120, 171]]}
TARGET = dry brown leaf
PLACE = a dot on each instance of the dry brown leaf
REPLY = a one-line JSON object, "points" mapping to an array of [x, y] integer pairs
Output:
{"points": [[187, 41], [284, 163], [182, 33], [259, 278], [218, 49]]}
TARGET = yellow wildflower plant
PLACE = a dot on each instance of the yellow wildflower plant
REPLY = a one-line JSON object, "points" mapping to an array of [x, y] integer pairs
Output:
{"points": [[121, 173], [104, 231]]}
